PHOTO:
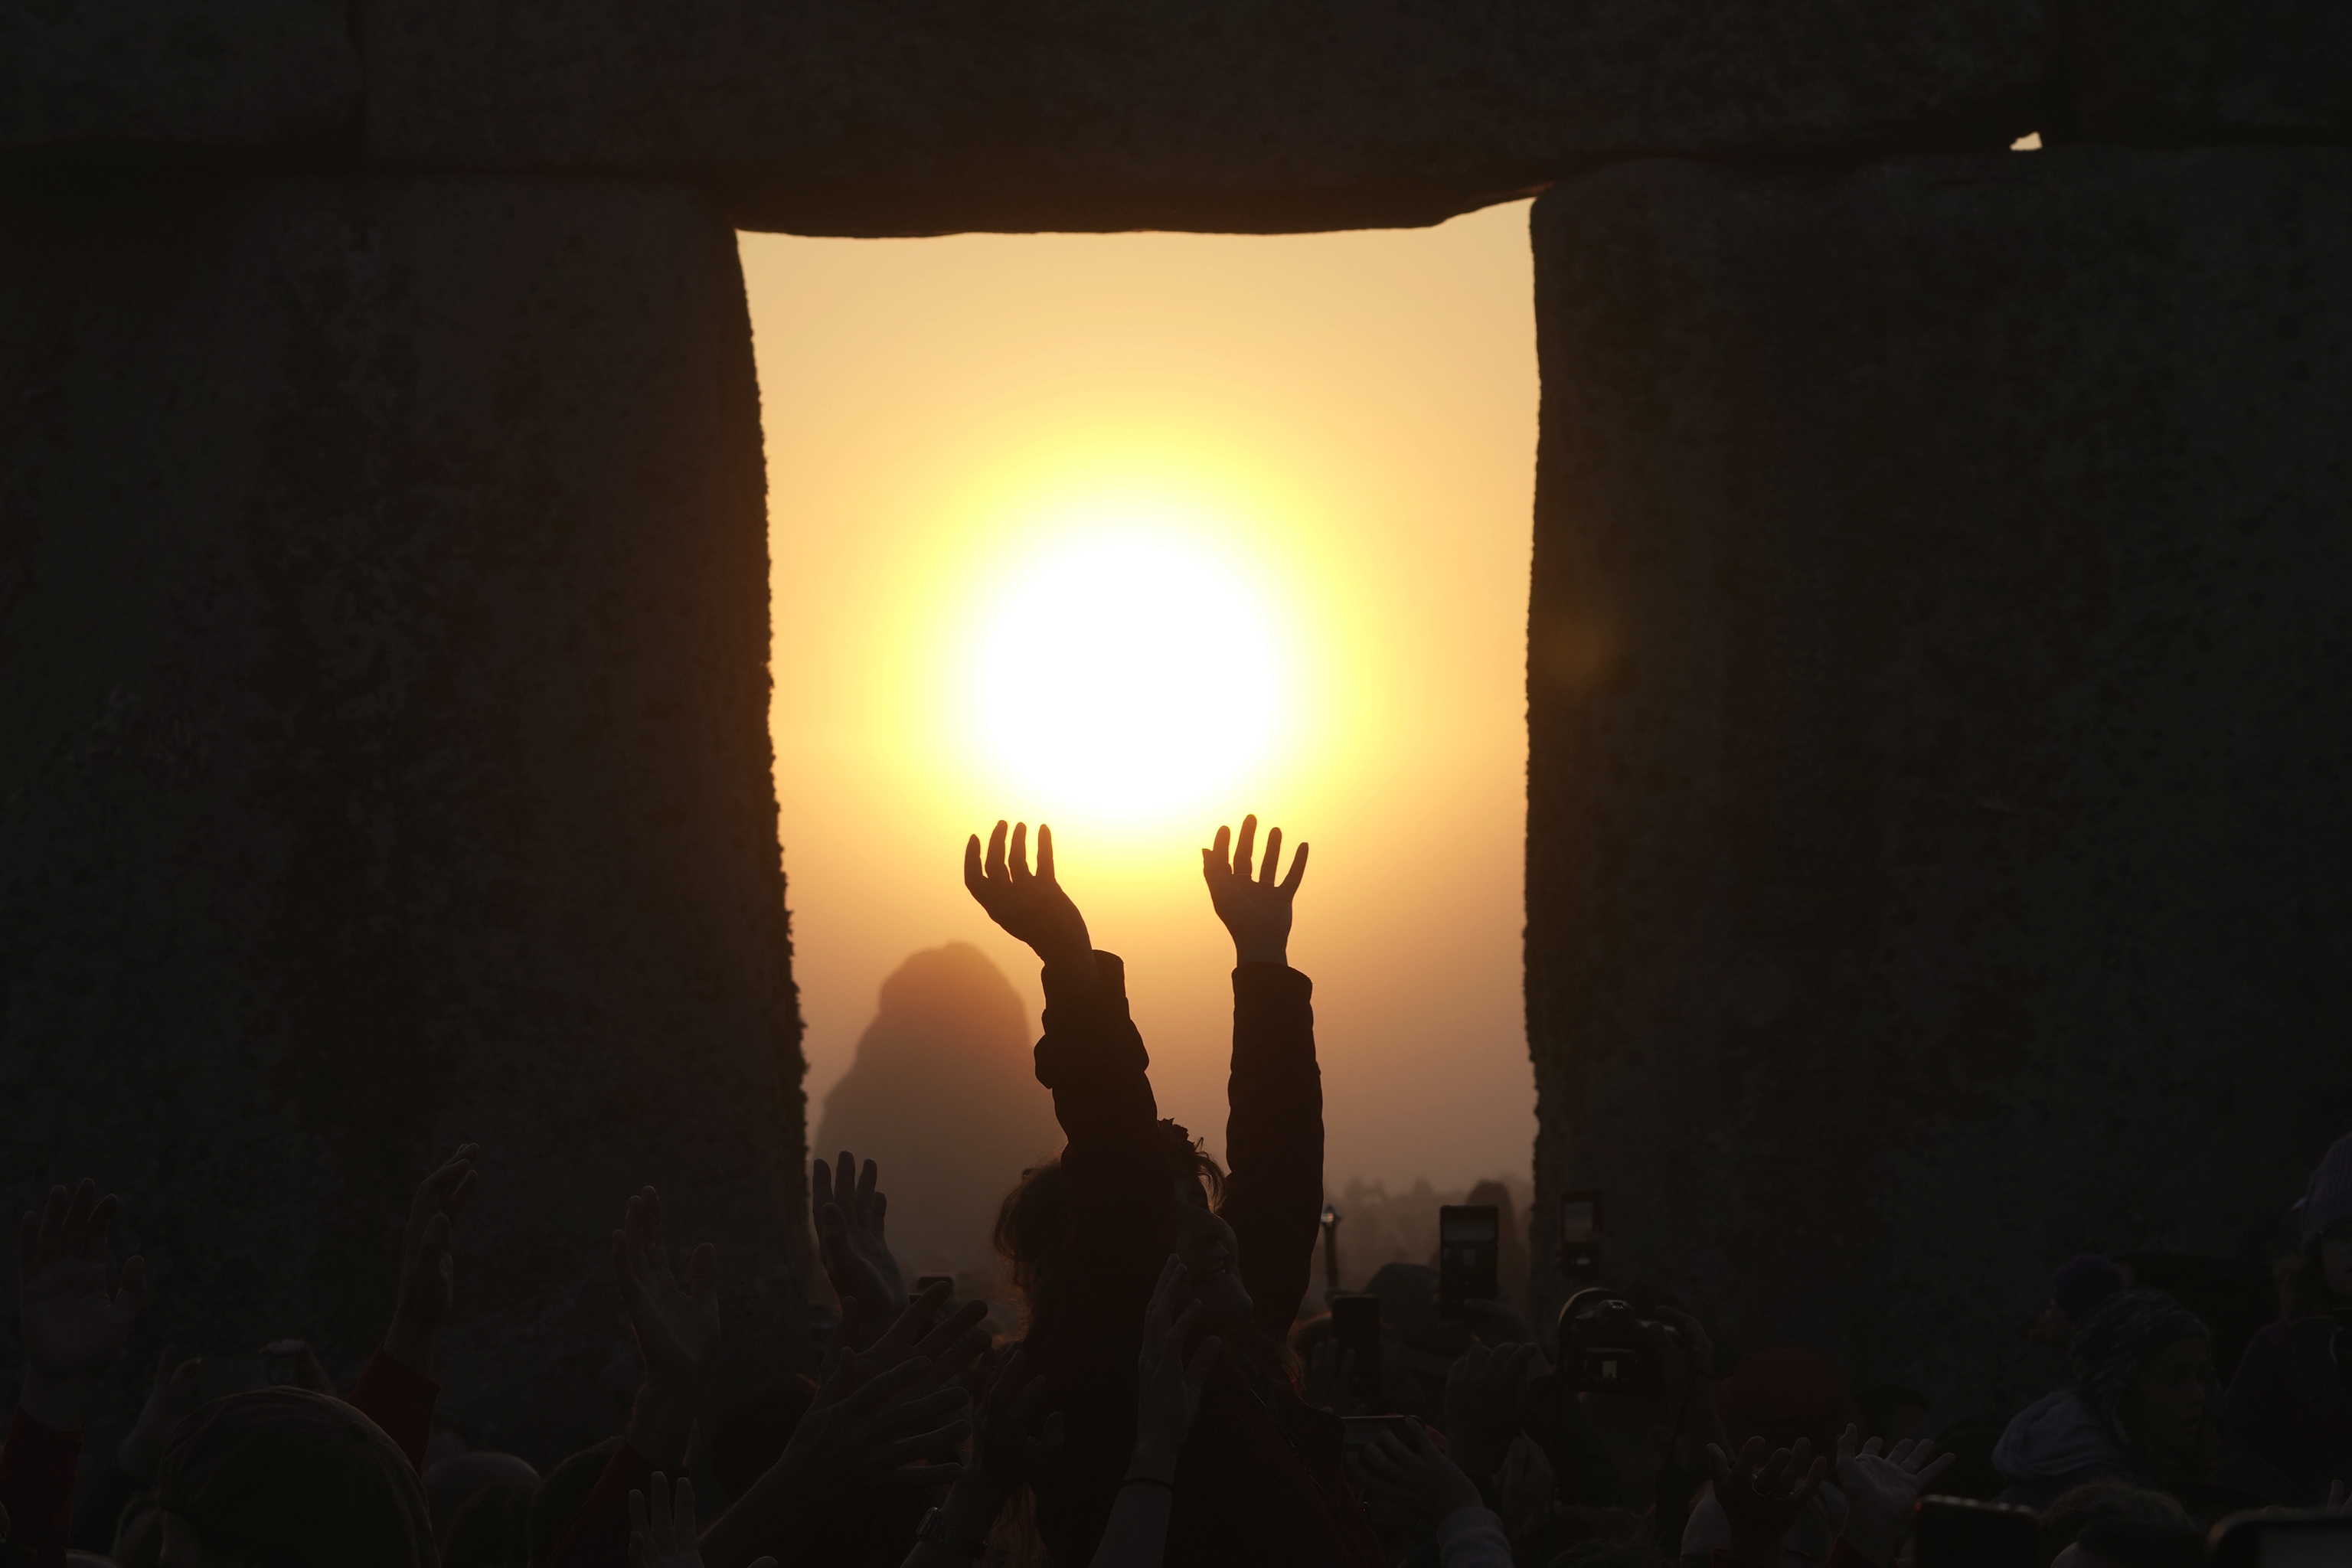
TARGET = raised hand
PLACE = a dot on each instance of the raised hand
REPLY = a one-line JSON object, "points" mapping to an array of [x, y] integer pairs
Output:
{"points": [[1526, 1488], [1030, 905], [1762, 1495], [175, 1397], [1167, 1383], [1881, 1488], [677, 1322], [1256, 910], [661, 1535], [676, 1325], [1484, 1394], [1417, 1479], [74, 1326], [427, 1279], [857, 1259]]}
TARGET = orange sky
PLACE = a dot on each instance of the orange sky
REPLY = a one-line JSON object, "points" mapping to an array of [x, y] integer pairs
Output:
{"points": [[1136, 533]]}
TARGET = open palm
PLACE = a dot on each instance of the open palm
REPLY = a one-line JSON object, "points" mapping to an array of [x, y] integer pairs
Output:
{"points": [[1256, 909], [73, 1325], [677, 1322]]}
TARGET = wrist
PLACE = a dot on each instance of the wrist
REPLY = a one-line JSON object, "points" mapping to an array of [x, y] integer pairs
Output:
{"points": [[1074, 966], [1154, 1460], [59, 1404], [409, 1342], [1259, 950]]}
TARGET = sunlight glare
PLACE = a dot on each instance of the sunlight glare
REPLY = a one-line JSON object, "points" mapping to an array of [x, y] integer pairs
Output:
{"points": [[1125, 674]]}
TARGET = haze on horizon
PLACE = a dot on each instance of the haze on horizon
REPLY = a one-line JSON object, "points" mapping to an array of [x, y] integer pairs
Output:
{"points": [[1134, 534]]}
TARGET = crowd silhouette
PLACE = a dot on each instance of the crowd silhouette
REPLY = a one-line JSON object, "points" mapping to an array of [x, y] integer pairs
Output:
{"points": [[1178, 1391]]}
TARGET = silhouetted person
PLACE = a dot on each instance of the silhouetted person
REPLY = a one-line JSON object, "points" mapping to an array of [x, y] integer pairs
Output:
{"points": [[1259, 1477]]}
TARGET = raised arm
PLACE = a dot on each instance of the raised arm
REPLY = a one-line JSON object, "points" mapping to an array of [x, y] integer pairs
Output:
{"points": [[1091, 1057], [1274, 1130]]}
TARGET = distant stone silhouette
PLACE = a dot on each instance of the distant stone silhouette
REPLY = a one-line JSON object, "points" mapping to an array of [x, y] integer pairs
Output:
{"points": [[944, 1096]]}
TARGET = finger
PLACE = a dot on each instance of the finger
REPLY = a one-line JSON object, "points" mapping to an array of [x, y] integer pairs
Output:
{"points": [[657, 1244], [973, 883], [1848, 1444], [1930, 1472], [941, 1442], [1018, 861], [163, 1365], [867, 1176], [657, 1502], [52, 1225], [944, 1338], [74, 1241], [1273, 857], [1297, 870], [639, 1523], [455, 1202], [101, 1219], [1163, 1297], [914, 1415], [916, 1478], [682, 1513], [1045, 853], [881, 1213], [1718, 1465], [880, 1388], [1242, 847], [1223, 851], [844, 1181], [1811, 1480], [702, 1277], [996, 872], [127, 1293]]}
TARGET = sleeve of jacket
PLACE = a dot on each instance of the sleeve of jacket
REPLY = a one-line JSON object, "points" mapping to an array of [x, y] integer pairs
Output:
{"points": [[399, 1401], [1274, 1139], [1092, 1059], [36, 1483]]}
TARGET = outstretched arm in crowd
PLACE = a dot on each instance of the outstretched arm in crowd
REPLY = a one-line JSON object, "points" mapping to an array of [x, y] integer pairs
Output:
{"points": [[1273, 1131], [886, 1422], [1880, 1488], [1014, 1440], [1413, 1476], [661, 1532], [857, 1260], [75, 1328], [1091, 1057], [677, 1326], [1761, 1495], [1168, 1395], [396, 1390]]}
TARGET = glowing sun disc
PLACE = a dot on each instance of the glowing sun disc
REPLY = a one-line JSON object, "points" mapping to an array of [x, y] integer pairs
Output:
{"points": [[1128, 675]]}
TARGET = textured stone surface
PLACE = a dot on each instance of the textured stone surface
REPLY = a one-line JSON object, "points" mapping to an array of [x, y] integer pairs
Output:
{"points": [[1938, 861], [220, 76], [832, 117], [2209, 71], [384, 763]]}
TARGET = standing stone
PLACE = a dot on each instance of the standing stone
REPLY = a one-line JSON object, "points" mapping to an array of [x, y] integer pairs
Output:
{"points": [[1939, 860], [384, 763]]}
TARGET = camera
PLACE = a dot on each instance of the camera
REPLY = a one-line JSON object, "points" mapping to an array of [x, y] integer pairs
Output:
{"points": [[1605, 1346]]}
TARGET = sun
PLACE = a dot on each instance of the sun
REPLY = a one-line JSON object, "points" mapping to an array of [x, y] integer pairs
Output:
{"points": [[1123, 674]]}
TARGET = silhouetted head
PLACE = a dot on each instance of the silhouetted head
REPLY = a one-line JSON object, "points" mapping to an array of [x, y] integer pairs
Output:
{"points": [[449, 1484], [1033, 1231], [2144, 1365], [283, 1475]]}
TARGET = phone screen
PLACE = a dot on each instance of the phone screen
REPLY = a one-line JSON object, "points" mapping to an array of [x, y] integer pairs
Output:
{"points": [[1468, 1241]]}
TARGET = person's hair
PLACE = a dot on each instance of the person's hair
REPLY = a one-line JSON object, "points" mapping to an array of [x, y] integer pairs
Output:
{"points": [[491, 1528], [2116, 1342], [561, 1496], [1032, 1223], [2093, 1501], [2303, 1284], [750, 1436], [283, 1475]]}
